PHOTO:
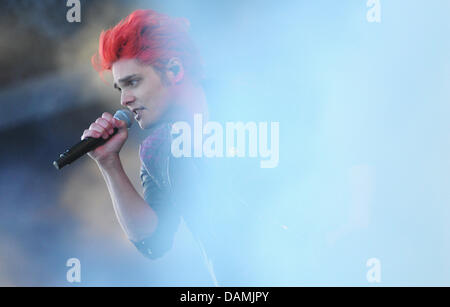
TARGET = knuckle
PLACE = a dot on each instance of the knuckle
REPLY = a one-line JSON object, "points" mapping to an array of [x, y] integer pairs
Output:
{"points": [[102, 122], [106, 115], [96, 127], [108, 125]]}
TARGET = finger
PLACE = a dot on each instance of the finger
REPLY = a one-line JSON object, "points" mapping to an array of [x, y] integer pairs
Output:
{"points": [[119, 123], [83, 136], [100, 130], [96, 127], [105, 124], [107, 116], [90, 133]]}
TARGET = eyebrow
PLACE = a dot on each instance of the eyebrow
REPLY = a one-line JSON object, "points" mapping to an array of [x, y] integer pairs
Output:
{"points": [[125, 80]]}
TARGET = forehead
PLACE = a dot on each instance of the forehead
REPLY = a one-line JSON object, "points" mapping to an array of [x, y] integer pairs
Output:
{"points": [[126, 67]]}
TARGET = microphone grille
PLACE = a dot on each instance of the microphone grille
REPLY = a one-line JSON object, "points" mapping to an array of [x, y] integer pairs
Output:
{"points": [[124, 115]]}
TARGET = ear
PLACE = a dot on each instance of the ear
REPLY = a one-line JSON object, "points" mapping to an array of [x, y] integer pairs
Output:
{"points": [[174, 71]]}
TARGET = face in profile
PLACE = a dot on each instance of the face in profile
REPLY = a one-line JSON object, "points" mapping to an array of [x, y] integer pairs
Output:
{"points": [[142, 91]]}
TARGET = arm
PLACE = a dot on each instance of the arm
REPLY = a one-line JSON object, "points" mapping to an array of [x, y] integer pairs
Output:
{"points": [[149, 223], [137, 218]]}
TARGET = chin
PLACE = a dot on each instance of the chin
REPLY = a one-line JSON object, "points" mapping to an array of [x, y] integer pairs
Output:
{"points": [[146, 124], [141, 126]]}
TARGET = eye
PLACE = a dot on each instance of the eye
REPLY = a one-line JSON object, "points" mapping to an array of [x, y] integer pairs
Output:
{"points": [[133, 83]]}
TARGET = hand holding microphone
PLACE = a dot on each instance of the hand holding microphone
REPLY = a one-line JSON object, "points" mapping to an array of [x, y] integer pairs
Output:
{"points": [[104, 139]]}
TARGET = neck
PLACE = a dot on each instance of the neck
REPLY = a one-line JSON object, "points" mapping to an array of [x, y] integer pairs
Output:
{"points": [[190, 99]]}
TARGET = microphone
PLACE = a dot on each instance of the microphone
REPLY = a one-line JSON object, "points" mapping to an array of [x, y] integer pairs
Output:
{"points": [[89, 143]]}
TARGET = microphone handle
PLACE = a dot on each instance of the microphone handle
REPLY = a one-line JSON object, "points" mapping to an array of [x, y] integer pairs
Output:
{"points": [[80, 149]]}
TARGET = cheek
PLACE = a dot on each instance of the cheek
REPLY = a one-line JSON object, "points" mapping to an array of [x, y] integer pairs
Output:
{"points": [[162, 98], [152, 93]]}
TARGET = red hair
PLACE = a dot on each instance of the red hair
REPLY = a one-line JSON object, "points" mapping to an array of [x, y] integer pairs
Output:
{"points": [[150, 37]]}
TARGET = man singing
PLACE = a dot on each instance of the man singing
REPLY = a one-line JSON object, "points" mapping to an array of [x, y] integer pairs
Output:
{"points": [[158, 72]]}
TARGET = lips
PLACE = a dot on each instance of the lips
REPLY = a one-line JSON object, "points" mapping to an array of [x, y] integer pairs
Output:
{"points": [[136, 109], [137, 113]]}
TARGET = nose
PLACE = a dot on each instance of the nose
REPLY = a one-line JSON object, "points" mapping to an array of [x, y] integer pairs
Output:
{"points": [[126, 99]]}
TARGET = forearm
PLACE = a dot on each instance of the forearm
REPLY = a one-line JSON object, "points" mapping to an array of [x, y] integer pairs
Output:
{"points": [[136, 217]]}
